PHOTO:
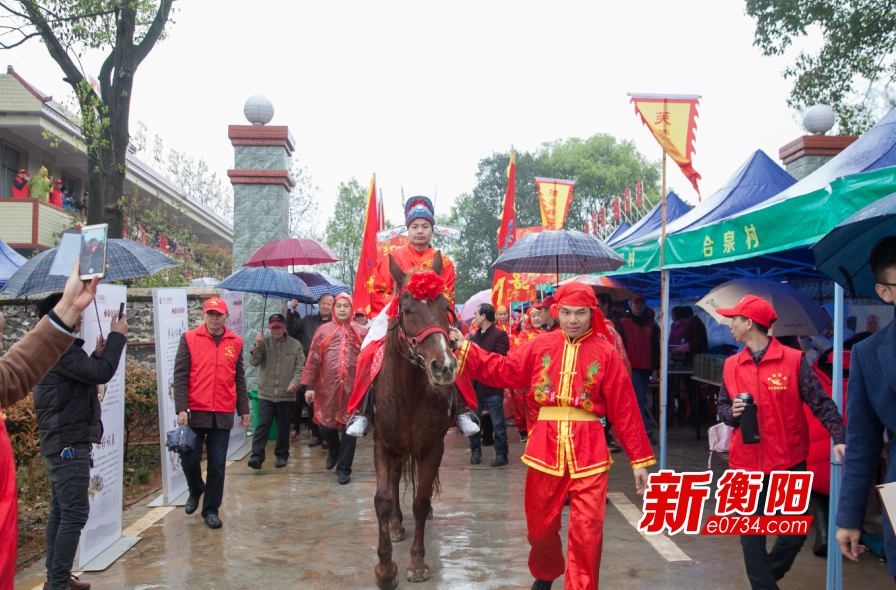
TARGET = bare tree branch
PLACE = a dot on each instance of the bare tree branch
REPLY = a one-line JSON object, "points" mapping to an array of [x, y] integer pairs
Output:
{"points": [[154, 32]]}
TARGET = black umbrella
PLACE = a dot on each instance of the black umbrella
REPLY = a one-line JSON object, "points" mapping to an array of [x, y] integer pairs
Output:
{"points": [[843, 253], [559, 251]]}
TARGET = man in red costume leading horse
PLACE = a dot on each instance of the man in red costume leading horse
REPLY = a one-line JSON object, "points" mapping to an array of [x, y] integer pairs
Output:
{"points": [[578, 380], [417, 254]]}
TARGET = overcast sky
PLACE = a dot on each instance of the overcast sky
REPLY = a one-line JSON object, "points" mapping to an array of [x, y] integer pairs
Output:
{"points": [[419, 93]]}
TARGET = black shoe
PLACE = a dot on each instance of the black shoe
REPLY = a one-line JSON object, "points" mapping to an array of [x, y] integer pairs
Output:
{"points": [[488, 442], [475, 456], [314, 442], [652, 439], [255, 462], [500, 461], [331, 463], [524, 436], [212, 521], [325, 445], [542, 585], [192, 504], [344, 479], [281, 462]]}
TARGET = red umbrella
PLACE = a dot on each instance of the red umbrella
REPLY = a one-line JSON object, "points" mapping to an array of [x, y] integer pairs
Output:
{"points": [[292, 251]]}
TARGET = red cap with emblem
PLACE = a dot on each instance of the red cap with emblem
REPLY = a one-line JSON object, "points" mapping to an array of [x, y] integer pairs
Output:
{"points": [[215, 304], [753, 308]]}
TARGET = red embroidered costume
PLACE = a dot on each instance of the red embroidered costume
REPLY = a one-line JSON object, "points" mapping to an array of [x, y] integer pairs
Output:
{"points": [[576, 384]]}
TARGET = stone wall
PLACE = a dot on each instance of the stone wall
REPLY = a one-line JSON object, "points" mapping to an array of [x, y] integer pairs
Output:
{"points": [[20, 319]]}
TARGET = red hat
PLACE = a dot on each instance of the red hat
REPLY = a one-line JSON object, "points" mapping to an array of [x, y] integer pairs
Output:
{"points": [[22, 171], [215, 304], [753, 308], [638, 297], [548, 301], [361, 311], [58, 181], [579, 295]]}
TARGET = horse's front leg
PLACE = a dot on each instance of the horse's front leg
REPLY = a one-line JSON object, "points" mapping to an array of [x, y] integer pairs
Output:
{"points": [[427, 471], [386, 570], [395, 525]]}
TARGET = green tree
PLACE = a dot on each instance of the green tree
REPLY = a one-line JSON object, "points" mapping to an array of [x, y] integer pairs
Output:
{"points": [[853, 71], [601, 166], [345, 230], [128, 29]]}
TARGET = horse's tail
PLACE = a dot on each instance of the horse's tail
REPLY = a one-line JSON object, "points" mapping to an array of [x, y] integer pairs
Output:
{"points": [[409, 474]]}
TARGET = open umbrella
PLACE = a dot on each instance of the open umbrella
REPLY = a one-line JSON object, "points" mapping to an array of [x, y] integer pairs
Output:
{"points": [[322, 284], [601, 284], [205, 282], [473, 303], [269, 283], [843, 253], [292, 251], [797, 314], [560, 251], [125, 259]]}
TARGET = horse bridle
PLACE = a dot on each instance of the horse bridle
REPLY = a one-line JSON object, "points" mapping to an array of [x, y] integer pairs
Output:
{"points": [[412, 342]]}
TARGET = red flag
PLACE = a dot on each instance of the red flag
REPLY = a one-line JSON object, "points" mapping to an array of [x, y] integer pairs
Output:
{"points": [[368, 259], [507, 229], [628, 201], [616, 209], [639, 194], [603, 217]]}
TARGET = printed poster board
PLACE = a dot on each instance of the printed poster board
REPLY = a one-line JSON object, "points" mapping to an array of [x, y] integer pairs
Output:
{"points": [[234, 301]]}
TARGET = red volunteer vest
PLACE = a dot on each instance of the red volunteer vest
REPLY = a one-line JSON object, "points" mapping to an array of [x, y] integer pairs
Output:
{"points": [[20, 193], [637, 343], [775, 386], [212, 370]]}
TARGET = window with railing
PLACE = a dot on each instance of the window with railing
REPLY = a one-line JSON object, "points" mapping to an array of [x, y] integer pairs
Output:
{"points": [[9, 167]]}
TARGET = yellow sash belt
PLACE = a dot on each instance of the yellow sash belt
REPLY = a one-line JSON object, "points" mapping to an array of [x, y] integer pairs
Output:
{"points": [[566, 414]]}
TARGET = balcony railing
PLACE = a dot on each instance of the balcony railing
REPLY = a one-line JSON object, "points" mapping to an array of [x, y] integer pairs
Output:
{"points": [[30, 223]]}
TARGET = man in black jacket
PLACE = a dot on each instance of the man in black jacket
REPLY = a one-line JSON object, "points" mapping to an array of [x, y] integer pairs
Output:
{"points": [[489, 338], [303, 329], [69, 417]]}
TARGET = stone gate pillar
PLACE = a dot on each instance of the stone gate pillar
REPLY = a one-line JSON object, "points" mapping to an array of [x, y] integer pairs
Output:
{"points": [[261, 186]]}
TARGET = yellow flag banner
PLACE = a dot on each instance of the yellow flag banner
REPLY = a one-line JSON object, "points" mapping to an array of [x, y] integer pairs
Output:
{"points": [[672, 119], [554, 196]]}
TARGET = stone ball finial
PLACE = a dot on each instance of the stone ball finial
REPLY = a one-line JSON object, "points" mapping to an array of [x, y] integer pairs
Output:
{"points": [[819, 119], [258, 110]]}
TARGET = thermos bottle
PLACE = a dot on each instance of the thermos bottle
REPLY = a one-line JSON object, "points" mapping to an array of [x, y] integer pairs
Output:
{"points": [[749, 422]]}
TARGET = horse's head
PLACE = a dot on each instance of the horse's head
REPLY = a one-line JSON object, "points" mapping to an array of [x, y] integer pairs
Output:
{"points": [[423, 326]]}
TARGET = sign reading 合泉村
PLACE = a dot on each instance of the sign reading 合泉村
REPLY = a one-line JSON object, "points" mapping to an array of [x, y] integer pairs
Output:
{"points": [[234, 301], [103, 526], [169, 308]]}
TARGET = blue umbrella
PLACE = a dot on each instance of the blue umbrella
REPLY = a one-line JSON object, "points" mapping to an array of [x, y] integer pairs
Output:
{"points": [[322, 284], [843, 253], [268, 282], [560, 251], [125, 259]]}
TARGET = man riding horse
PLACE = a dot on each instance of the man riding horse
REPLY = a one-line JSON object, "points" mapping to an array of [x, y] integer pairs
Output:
{"points": [[577, 380], [417, 254]]}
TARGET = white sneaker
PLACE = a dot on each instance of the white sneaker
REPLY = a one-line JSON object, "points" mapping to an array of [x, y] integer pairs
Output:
{"points": [[357, 426], [466, 425]]}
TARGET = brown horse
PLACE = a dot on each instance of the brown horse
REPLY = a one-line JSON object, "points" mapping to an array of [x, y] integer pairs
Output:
{"points": [[413, 409]]}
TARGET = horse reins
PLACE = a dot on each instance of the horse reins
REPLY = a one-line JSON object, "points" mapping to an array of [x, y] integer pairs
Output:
{"points": [[412, 342]]}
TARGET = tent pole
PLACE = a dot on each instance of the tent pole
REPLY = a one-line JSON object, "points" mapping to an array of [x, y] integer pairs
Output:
{"points": [[835, 558], [664, 332]]}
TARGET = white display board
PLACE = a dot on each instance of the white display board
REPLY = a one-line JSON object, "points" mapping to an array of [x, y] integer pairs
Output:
{"points": [[234, 301], [170, 322], [103, 526]]}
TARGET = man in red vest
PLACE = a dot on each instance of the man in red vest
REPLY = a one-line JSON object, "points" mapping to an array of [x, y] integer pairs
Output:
{"points": [[209, 384], [780, 381], [642, 343], [20, 185], [56, 194]]}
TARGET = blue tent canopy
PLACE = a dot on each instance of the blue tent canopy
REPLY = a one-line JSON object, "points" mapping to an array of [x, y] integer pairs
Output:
{"points": [[623, 227], [10, 261], [652, 222]]}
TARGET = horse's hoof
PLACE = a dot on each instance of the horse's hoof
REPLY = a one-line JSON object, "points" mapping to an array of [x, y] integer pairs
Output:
{"points": [[389, 581], [420, 575], [397, 536]]}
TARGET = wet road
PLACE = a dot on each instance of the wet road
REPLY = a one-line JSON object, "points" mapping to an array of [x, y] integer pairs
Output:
{"points": [[297, 528]]}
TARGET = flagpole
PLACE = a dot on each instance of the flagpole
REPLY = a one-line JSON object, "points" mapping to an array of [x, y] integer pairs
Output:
{"points": [[664, 332]]}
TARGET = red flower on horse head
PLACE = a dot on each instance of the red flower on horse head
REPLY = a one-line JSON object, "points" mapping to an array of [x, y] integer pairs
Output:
{"points": [[426, 285]]}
